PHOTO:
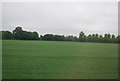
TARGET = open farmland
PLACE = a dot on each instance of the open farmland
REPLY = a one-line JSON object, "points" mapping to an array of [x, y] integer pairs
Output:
{"points": [[59, 60]]}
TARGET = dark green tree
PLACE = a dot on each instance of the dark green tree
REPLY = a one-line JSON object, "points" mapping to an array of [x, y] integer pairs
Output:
{"points": [[7, 35], [113, 39], [58, 37], [89, 38], [107, 38], [71, 38], [96, 37], [81, 36], [35, 36], [18, 33], [118, 39], [48, 37], [100, 39]]}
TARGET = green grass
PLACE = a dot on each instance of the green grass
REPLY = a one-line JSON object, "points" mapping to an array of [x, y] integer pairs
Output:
{"points": [[59, 60]]}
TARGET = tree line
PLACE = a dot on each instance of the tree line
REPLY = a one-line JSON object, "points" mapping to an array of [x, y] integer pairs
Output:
{"points": [[19, 34]]}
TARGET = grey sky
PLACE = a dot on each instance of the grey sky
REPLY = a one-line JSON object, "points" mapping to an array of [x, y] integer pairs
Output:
{"points": [[68, 18]]}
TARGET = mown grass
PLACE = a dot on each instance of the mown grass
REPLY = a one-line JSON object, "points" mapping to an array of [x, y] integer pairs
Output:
{"points": [[59, 60]]}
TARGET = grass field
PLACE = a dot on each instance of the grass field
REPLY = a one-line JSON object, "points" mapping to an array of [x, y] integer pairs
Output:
{"points": [[59, 60]]}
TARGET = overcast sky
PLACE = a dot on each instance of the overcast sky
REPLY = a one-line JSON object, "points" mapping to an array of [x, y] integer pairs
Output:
{"points": [[68, 18]]}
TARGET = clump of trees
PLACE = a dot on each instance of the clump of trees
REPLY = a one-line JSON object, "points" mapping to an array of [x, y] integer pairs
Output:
{"points": [[7, 35], [19, 34], [52, 37], [107, 38]]}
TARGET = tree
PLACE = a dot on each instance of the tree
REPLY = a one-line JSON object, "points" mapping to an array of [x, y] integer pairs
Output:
{"points": [[41, 37], [89, 38], [48, 37], [0, 35], [107, 38], [18, 33], [96, 37], [35, 35], [113, 39], [81, 36], [118, 39], [7, 35], [58, 37], [93, 37], [71, 38], [100, 39]]}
